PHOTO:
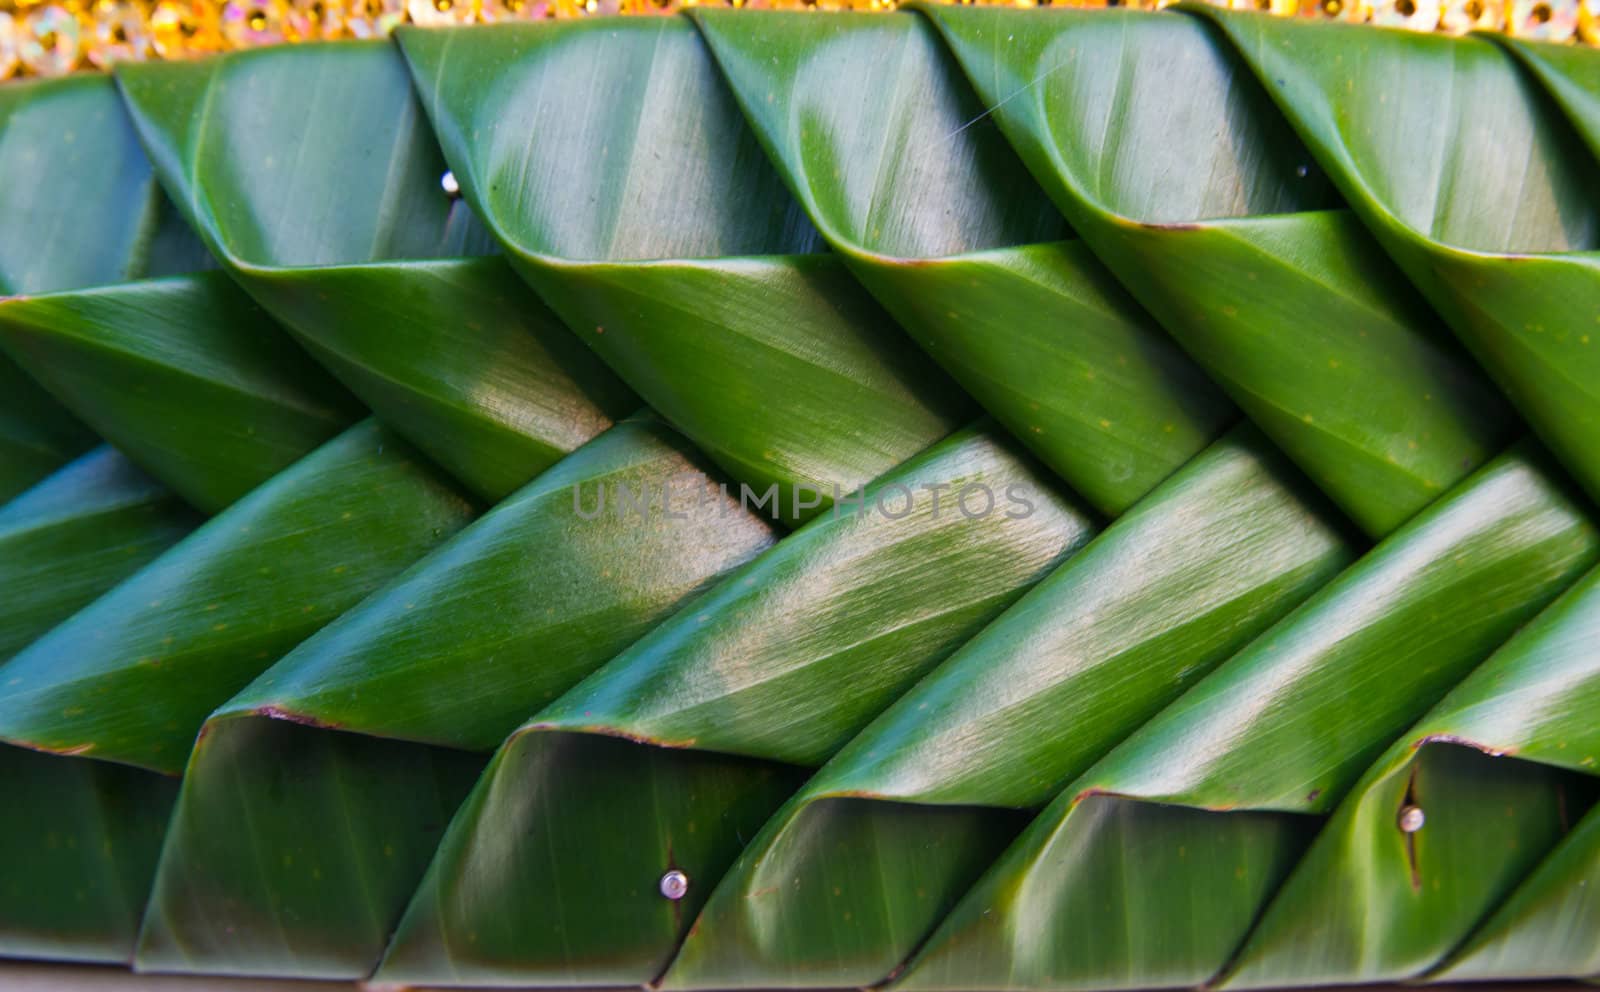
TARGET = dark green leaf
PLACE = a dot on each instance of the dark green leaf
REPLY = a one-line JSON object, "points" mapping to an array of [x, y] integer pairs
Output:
{"points": [[1278, 732], [455, 652], [76, 534], [1428, 141], [932, 230], [452, 353], [191, 628], [777, 365], [1183, 178], [1226, 546], [185, 375], [780, 663]]}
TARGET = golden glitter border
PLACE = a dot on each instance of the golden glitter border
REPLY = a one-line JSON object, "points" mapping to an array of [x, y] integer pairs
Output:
{"points": [[57, 37]]}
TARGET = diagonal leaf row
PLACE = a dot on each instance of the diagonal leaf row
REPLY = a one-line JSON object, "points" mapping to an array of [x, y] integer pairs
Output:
{"points": [[1165, 702]]}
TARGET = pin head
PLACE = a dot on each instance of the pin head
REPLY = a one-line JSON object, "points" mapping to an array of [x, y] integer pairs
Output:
{"points": [[674, 885], [1412, 819], [452, 189]]}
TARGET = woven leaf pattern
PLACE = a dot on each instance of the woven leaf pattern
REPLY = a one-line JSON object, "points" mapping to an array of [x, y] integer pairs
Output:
{"points": [[456, 569]]}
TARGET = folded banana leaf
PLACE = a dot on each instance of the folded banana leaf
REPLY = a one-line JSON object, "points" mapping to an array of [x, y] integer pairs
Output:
{"points": [[63, 135], [543, 125], [735, 942], [1425, 142], [1248, 261], [1490, 780], [191, 628], [82, 530], [1535, 701], [185, 375], [841, 885], [1148, 870], [700, 730], [348, 757], [914, 626], [722, 212], [939, 232], [37, 435], [451, 352]]}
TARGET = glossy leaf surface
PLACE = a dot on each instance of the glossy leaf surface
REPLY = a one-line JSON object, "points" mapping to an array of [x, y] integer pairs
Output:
{"points": [[75, 535], [1184, 179], [450, 352], [456, 652], [59, 135], [1502, 768], [1279, 731], [185, 375], [938, 230], [774, 363], [1228, 545], [81, 839], [1423, 142], [781, 661], [192, 627]]}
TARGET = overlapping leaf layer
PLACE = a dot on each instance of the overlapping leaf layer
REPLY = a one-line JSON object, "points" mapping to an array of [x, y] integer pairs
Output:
{"points": [[958, 499]]}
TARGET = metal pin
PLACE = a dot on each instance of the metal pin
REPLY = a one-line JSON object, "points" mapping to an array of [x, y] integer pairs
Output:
{"points": [[452, 189], [674, 885], [1411, 820]]}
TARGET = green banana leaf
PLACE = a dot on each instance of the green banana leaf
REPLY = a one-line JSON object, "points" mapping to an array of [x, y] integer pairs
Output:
{"points": [[76, 534], [1424, 142], [670, 188], [1571, 75], [187, 631], [451, 352], [939, 230], [84, 836], [63, 135], [693, 285], [1500, 769], [735, 942], [37, 436], [701, 728], [1212, 802], [843, 882], [1245, 261], [185, 375], [348, 757], [94, 521], [194, 626], [427, 956]]}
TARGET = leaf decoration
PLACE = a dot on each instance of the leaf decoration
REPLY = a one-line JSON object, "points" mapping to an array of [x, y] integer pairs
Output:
{"points": [[195, 625], [1423, 142], [71, 134], [58, 135], [1230, 543], [81, 839], [1179, 173], [701, 725], [1396, 631], [37, 435], [187, 630], [185, 375], [1517, 738], [773, 362], [76, 534], [1572, 78], [938, 228], [454, 654], [451, 352]]}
